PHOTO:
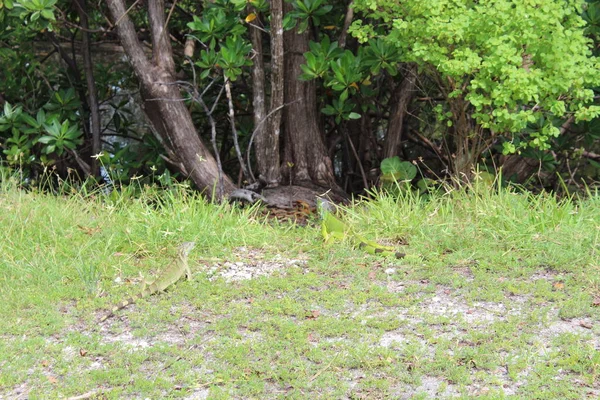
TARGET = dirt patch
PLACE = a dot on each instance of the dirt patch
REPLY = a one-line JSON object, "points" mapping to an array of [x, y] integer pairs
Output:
{"points": [[253, 265]]}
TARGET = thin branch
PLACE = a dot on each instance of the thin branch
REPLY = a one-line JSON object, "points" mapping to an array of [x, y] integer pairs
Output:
{"points": [[126, 12], [590, 155], [347, 22], [50, 54], [358, 161], [217, 100], [170, 12], [256, 129], [234, 133], [258, 27], [213, 127], [85, 167], [424, 141], [213, 140]]}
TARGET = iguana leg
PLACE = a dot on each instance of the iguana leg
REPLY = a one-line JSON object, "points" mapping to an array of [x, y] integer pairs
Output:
{"points": [[325, 234], [188, 272], [379, 251], [145, 284]]}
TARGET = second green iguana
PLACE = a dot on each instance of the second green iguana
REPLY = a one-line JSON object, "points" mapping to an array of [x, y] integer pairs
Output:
{"points": [[333, 228], [175, 271]]}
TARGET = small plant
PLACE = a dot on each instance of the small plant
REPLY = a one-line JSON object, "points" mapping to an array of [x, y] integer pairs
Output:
{"points": [[90, 276], [305, 11], [393, 170], [60, 137]]}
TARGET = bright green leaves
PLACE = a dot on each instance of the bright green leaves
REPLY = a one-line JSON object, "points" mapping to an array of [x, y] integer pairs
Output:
{"points": [[319, 57], [340, 110], [46, 128], [233, 56], [315, 66], [17, 147], [381, 55], [304, 12], [221, 23], [587, 113], [8, 4], [259, 5], [209, 59], [38, 13], [513, 61], [60, 136], [348, 74], [214, 26], [10, 117], [341, 71], [344, 78]]}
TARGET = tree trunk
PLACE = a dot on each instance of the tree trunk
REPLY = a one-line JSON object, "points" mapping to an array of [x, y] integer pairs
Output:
{"points": [[259, 111], [403, 94], [272, 173], [467, 140], [305, 156], [73, 73], [162, 101], [82, 11], [268, 126]]}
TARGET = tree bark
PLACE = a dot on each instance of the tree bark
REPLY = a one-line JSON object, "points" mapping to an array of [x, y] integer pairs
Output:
{"points": [[162, 101], [401, 98], [272, 173], [347, 21], [305, 155], [267, 126], [258, 97], [88, 66]]}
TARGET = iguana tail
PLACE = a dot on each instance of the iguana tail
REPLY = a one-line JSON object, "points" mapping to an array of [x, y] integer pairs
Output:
{"points": [[333, 228], [172, 274], [377, 249], [121, 306]]}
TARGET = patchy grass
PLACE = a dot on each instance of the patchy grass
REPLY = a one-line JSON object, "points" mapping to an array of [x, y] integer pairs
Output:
{"points": [[496, 298]]}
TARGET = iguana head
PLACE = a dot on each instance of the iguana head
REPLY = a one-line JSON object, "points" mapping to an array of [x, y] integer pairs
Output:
{"points": [[186, 248], [324, 206]]}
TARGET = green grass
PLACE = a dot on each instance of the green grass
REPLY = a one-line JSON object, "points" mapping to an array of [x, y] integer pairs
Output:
{"points": [[495, 299]]}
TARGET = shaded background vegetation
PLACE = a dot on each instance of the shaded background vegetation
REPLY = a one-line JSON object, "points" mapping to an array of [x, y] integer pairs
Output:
{"points": [[340, 98]]}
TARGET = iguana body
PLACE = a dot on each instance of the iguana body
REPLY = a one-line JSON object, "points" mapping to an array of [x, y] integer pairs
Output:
{"points": [[333, 228], [175, 271]]}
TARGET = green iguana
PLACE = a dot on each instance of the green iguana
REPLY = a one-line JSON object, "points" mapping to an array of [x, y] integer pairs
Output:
{"points": [[333, 228], [175, 271]]}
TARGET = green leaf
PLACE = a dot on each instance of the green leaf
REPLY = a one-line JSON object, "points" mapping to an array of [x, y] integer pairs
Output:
{"points": [[344, 96], [289, 22], [48, 14], [329, 110], [28, 119], [45, 139], [303, 26], [399, 170]]}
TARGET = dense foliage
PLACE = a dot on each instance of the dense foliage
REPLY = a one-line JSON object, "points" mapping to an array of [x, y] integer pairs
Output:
{"points": [[502, 66], [449, 86]]}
